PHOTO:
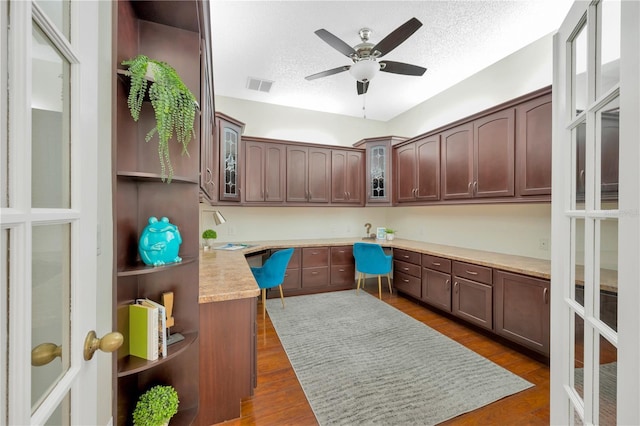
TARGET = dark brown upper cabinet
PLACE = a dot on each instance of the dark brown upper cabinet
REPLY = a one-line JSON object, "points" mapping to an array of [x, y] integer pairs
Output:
{"points": [[417, 170], [478, 158], [533, 147], [308, 174], [346, 176], [265, 171], [208, 149], [229, 137]]}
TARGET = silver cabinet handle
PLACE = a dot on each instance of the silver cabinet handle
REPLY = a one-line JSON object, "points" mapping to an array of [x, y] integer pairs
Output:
{"points": [[455, 287], [405, 280], [435, 263], [471, 272], [545, 295], [446, 285], [469, 186], [314, 273], [475, 187], [405, 256], [406, 269], [210, 176], [340, 270]]}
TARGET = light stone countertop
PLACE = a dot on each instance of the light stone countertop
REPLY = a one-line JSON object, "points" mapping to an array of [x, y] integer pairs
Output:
{"points": [[225, 275]]}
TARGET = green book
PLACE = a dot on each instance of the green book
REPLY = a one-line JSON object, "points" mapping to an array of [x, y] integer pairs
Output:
{"points": [[143, 332]]}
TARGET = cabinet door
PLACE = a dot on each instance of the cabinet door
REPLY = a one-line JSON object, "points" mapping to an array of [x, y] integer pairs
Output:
{"points": [[522, 310], [208, 147], [378, 168], [457, 162], [254, 171], [436, 289], [354, 177], [319, 175], [339, 176], [274, 172], [494, 154], [472, 302], [533, 147], [296, 174], [428, 170], [229, 138], [405, 167]]}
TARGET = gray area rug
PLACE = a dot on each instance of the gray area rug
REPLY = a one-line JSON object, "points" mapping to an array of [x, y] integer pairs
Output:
{"points": [[361, 361]]}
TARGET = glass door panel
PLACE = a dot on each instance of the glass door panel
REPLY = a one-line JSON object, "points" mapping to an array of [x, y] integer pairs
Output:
{"points": [[607, 383], [50, 307], [377, 172], [578, 357], [577, 256], [608, 132], [579, 70], [58, 11], [50, 125], [609, 64], [579, 166], [607, 279]]}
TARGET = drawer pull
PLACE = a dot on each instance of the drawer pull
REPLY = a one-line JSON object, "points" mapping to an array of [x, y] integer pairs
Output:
{"points": [[545, 295], [341, 251], [471, 272], [405, 280], [314, 273], [435, 263], [455, 287], [406, 269], [446, 283], [405, 256], [340, 270]]}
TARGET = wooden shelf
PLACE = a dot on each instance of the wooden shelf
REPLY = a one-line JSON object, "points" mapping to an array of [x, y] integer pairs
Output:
{"points": [[152, 177], [141, 268], [133, 364]]}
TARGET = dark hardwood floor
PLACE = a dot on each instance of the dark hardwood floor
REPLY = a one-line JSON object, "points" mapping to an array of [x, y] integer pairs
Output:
{"points": [[279, 400]]}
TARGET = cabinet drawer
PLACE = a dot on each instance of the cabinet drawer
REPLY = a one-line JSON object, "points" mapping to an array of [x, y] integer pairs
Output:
{"points": [[436, 263], [406, 268], [342, 274], [294, 263], [407, 256], [342, 255], [473, 272], [315, 277], [407, 284], [291, 279], [315, 256]]}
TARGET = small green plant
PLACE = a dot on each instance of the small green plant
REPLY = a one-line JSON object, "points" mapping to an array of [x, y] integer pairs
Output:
{"points": [[390, 231], [173, 103], [209, 234], [156, 406]]}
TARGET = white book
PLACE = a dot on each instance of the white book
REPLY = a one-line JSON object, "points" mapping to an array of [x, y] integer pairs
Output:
{"points": [[162, 324]]}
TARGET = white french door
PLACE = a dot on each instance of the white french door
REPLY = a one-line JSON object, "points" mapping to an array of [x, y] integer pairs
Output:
{"points": [[48, 185], [595, 221]]}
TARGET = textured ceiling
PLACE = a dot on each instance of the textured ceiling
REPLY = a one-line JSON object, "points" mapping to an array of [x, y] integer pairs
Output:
{"points": [[275, 40]]}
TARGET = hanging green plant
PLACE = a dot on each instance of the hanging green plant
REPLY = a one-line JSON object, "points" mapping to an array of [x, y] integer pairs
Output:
{"points": [[173, 103]]}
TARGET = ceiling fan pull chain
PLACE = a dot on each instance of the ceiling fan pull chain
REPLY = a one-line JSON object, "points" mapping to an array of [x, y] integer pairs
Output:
{"points": [[364, 110]]}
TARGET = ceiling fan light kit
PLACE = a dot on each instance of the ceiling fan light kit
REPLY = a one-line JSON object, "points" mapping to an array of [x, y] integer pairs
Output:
{"points": [[364, 55]]}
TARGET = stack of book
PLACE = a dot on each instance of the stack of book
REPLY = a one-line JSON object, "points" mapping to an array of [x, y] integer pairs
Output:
{"points": [[147, 329]]}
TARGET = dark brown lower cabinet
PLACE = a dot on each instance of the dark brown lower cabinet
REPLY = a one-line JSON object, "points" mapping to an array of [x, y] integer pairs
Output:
{"points": [[472, 301], [292, 274], [407, 284], [343, 268], [227, 358], [521, 309], [436, 289]]}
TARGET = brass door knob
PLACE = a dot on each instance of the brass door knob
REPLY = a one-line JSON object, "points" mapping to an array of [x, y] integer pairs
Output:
{"points": [[44, 353], [108, 343]]}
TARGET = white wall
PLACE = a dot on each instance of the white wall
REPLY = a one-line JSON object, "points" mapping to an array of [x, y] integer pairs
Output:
{"points": [[284, 223], [294, 124], [515, 229], [522, 72]]}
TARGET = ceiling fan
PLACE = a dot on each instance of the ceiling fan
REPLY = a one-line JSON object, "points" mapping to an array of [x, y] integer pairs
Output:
{"points": [[365, 55]]}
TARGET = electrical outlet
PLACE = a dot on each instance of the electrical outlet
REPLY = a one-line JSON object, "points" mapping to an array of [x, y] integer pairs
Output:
{"points": [[543, 244]]}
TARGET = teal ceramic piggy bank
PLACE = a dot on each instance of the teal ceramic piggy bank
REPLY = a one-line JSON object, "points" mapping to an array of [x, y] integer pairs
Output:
{"points": [[160, 242]]}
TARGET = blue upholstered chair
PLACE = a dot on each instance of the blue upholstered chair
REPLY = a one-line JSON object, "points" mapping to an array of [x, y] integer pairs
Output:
{"points": [[370, 259], [271, 274]]}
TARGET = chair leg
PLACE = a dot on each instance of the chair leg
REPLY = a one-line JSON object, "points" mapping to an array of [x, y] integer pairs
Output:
{"points": [[389, 281], [264, 303], [379, 287], [358, 285], [281, 295]]}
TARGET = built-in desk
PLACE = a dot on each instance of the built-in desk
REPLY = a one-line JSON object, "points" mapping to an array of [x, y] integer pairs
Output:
{"points": [[228, 296]]}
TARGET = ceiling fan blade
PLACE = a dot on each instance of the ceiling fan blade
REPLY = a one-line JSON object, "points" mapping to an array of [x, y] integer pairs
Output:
{"points": [[397, 36], [401, 68], [336, 43], [362, 87], [328, 72]]}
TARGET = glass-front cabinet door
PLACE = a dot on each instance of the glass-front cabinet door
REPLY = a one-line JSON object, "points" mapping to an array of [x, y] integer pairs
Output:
{"points": [[229, 133]]}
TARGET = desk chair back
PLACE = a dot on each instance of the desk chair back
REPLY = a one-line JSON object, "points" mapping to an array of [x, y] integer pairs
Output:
{"points": [[271, 274], [371, 259]]}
